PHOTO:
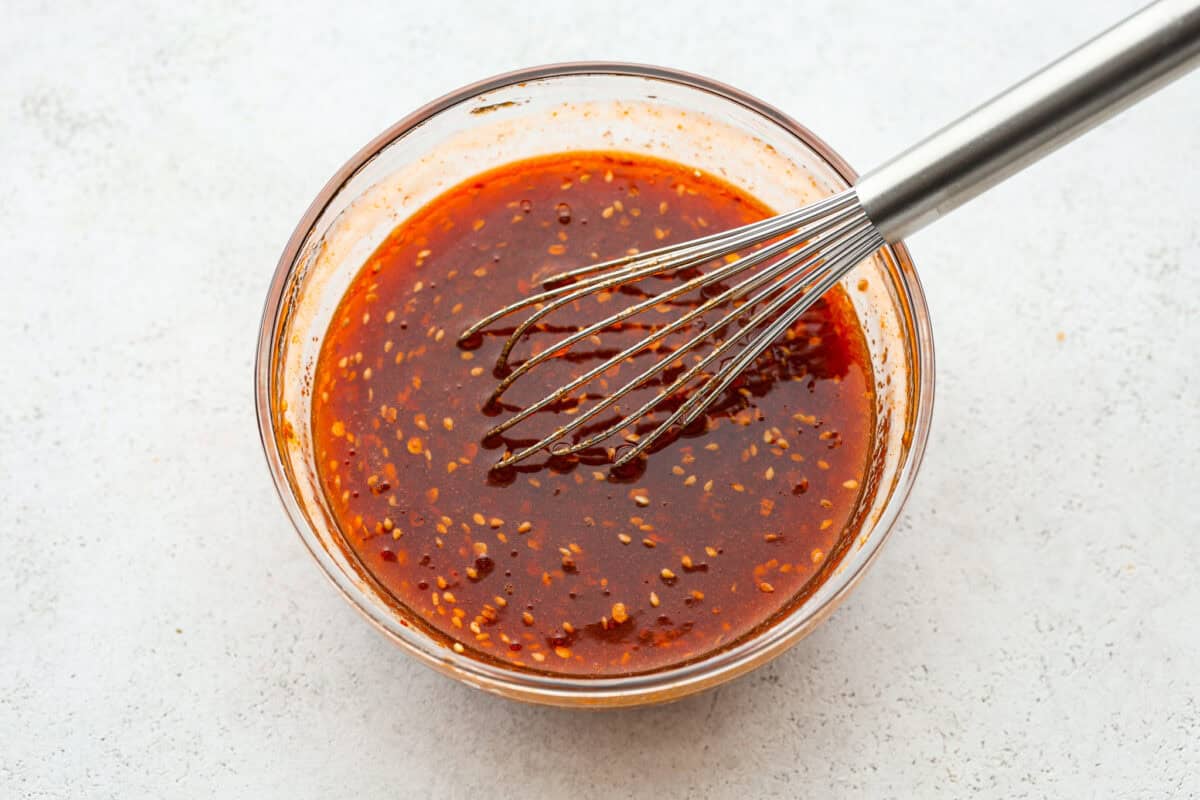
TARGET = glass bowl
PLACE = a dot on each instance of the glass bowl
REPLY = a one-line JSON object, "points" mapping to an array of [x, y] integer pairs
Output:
{"points": [[581, 106]]}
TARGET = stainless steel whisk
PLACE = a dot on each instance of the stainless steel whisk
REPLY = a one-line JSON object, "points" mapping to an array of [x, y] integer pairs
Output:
{"points": [[809, 250]]}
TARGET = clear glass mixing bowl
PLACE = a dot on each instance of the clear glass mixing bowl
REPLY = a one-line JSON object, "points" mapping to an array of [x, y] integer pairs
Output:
{"points": [[583, 106]]}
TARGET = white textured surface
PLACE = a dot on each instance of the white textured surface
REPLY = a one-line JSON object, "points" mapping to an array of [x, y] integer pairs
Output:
{"points": [[1030, 630]]}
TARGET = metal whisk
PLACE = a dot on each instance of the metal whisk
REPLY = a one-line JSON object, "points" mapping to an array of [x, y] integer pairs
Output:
{"points": [[798, 256]]}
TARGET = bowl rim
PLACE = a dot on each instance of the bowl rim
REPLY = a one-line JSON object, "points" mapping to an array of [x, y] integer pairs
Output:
{"points": [[656, 686]]}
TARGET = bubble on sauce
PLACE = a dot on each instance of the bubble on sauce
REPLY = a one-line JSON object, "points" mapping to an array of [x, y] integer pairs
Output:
{"points": [[563, 212]]}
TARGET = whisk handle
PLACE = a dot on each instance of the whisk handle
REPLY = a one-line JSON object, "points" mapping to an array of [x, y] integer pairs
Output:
{"points": [[1068, 97]]}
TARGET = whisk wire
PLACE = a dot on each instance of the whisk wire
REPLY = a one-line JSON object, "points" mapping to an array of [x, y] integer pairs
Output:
{"points": [[825, 241], [737, 291], [644, 442]]}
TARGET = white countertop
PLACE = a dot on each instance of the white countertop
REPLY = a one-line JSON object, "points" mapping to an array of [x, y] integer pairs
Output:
{"points": [[1030, 630]]}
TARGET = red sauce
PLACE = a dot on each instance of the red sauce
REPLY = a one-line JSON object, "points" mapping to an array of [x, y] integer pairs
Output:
{"points": [[558, 565]]}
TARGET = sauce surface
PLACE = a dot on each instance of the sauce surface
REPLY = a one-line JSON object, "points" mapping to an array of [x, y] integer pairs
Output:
{"points": [[557, 565]]}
